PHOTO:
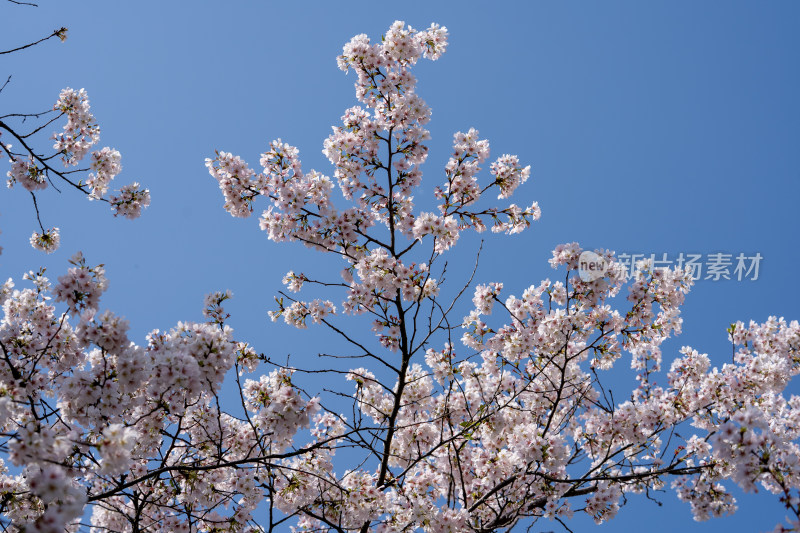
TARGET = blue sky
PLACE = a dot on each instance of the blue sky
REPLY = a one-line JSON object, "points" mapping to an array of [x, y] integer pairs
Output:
{"points": [[650, 128]]}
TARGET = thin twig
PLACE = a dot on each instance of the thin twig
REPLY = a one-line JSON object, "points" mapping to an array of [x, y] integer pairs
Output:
{"points": [[56, 33]]}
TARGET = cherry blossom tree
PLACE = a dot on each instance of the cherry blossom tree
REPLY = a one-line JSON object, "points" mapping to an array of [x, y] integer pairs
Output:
{"points": [[481, 423], [36, 169]]}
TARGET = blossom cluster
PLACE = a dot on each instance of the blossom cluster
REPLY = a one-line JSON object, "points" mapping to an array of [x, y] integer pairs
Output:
{"points": [[377, 154], [33, 171], [106, 165], [46, 241], [27, 174], [277, 405], [130, 201], [87, 414], [81, 131]]}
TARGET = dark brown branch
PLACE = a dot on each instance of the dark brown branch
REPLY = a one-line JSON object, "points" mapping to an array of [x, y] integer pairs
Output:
{"points": [[56, 33]]}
